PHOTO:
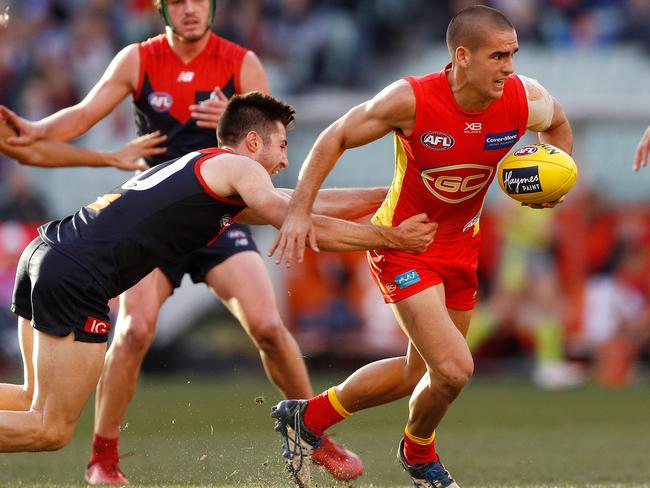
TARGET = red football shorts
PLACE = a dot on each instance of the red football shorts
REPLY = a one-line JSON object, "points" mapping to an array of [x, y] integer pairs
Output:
{"points": [[400, 275]]}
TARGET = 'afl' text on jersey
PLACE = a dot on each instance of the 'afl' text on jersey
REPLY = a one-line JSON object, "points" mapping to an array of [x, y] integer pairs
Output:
{"points": [[167, 87], [444, 167], [152, 220]]}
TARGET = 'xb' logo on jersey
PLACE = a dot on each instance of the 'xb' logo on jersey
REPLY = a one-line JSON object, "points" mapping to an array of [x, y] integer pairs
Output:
{"points": [[160, 101], [458, 182], [438, 141]]}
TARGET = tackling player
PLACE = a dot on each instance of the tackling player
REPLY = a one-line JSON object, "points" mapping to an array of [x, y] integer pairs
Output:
{"points": [[450, 128], [180, 82], [67, 275]]}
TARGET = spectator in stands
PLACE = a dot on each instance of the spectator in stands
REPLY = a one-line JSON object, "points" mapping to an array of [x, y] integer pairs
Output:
{"points": [[19, 200]]}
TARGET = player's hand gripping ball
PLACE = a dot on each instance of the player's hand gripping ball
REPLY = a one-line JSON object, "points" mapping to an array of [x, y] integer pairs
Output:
{"points": [[537, 173]]}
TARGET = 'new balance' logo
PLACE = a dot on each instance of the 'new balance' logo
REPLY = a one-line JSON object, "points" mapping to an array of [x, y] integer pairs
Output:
{"points": [[185, 76]]}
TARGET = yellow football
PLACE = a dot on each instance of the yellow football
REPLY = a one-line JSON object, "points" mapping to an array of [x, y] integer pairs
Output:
{"points": [[537, 173]]}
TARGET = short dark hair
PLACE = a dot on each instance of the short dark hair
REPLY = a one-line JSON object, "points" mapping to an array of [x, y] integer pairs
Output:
{"points": [[467, 28], [252, 111]]}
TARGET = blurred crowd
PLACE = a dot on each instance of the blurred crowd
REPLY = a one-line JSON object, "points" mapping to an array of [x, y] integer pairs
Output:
{"points": [[53, 51], [544, 293]]}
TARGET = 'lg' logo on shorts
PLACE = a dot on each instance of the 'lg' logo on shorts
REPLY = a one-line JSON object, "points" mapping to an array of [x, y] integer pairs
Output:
{"points": [[96, 326]]}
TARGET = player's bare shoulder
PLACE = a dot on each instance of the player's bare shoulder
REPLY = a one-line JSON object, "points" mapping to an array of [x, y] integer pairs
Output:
{"points": [[125, 66], [224, 172], [540, 104], [395, 105]]}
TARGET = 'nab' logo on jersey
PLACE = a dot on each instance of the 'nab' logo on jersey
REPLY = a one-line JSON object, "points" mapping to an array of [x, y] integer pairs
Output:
{"points": [[438, 141], [160, 101], [185, 77], [457, 183]]}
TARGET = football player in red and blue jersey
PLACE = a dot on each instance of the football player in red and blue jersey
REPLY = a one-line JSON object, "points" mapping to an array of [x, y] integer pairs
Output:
{"points": [[180, 82], [67, 275], [450, 128]]}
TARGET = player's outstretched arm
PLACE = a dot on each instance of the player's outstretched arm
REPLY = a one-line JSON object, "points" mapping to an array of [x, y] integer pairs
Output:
{"points": [[642, 151], [393, 108], [413, 235], [53, 154], [345, 203], [238, 175], [269, 206], [118, 81]]}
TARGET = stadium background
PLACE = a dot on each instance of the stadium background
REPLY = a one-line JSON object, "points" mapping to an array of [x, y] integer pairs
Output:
{"points": [[565, 297]]}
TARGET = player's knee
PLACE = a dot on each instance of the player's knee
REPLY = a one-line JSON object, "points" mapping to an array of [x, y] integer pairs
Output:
{"points": [[268, 333], [138, 332], [53, 437], [453, 374]]}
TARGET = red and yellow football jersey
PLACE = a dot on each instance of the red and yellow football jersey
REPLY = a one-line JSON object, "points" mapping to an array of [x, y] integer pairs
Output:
{"points": [[445, 166]]}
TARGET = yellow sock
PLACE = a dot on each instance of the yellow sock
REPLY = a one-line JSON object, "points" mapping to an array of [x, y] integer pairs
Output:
{"points": [[336, 403], [423, 441]]}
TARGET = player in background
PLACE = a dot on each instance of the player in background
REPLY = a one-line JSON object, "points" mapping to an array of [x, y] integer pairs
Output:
{"points": [[450, 128], [642, 151], [53, 154], [180, 82], [67, 275]]}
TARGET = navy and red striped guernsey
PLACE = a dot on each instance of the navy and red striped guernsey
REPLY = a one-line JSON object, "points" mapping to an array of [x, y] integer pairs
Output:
{"points": [[167, 87], [152, 220]]}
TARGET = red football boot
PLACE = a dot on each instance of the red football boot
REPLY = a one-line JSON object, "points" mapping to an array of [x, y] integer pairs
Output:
{"points": [[105, 473], [343, 464]]}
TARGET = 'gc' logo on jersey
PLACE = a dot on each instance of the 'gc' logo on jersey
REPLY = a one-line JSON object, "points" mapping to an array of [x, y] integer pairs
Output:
{"points": [[457, 183]]}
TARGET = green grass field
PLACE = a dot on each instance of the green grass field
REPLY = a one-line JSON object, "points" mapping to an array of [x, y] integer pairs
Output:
{"points": [[190, 431]]}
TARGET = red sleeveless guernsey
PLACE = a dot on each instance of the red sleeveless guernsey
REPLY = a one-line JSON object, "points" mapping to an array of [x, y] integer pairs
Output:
{"points": [[167, 87], [445, 166]]}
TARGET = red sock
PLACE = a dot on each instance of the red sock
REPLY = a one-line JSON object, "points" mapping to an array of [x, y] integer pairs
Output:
{"points": [[104, 449], [320, 414], [419, 452]]}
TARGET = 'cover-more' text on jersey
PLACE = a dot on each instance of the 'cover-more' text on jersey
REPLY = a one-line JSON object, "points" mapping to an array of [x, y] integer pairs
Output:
{"points": [[153, 219], [167, 87], [445, 166]]}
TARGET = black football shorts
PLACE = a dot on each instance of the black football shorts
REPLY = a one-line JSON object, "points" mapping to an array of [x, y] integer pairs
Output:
{"points": [[59, 296], [237, 238]]}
